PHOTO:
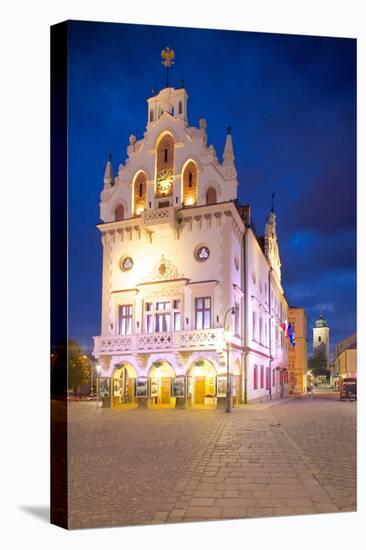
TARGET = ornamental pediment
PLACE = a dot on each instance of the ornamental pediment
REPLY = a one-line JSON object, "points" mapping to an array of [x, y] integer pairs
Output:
{"points": [[163, 270]]}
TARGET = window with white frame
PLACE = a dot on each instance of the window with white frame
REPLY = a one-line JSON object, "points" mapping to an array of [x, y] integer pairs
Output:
{"points": [[254, 325], [162, 316], [125, 319], [237, 310], [203, 313], [260, 329]]}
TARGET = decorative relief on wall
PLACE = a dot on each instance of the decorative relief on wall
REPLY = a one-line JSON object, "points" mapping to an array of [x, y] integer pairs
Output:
{"points": [[202, 253], [163, 270], [126, 263]]}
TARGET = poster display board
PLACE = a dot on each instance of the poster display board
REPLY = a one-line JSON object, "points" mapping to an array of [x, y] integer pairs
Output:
{"points": [[104, 387], [141, 387], [178, 386], [154, 387], [221, 385], [117, 387]]}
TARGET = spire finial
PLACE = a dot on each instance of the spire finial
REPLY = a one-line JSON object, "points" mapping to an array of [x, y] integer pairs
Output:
{"points": [[167, 55], [272, 207], [228, 131], [110, 157]]}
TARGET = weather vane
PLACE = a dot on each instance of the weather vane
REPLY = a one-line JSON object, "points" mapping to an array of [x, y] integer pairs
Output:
{"points": [[167, 55]]}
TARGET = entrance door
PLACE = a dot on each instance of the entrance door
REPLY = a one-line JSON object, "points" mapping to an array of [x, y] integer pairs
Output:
{"points": [[165, 390], [199, 390]]}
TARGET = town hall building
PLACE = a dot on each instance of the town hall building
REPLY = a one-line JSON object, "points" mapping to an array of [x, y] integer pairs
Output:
{"points": [[192, 301]]}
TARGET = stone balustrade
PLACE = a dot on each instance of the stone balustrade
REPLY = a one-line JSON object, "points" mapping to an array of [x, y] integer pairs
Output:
{"points": [[182, 340]]}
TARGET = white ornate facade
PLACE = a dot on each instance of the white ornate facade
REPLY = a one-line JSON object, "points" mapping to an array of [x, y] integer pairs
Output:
{"points": [[177, 256]]}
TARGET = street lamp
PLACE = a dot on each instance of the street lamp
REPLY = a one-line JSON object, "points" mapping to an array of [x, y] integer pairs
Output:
{"points": [[91, 372], [228, 338]]}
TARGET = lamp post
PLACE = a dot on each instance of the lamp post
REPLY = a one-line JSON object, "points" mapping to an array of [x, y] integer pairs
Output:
{"points": [[228, 385], [91, 372]]}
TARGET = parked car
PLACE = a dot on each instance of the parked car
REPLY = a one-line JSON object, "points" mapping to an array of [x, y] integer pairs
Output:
{"points": [[348, 389]]}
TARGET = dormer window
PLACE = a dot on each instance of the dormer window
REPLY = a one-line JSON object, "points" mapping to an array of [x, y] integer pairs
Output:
{"points": [[151, 116], [180, 108]]}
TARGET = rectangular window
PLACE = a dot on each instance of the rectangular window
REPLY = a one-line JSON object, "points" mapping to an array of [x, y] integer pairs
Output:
{"points": [[268, 378], [265, 334], [260, 329], [273, 378], [203, 313], [255, 377], [177, 321], [149, 323], [254, 328], [262, 376], [237, 319], [125, 319]]}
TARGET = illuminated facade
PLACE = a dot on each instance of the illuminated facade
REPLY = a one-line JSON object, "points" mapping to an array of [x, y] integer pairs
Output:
{"points": [[321, 337], [298, 356], [345, 358], [186, 283]]}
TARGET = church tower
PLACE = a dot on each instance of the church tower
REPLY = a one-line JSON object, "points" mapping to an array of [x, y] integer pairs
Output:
{"points": [[321, 336]]}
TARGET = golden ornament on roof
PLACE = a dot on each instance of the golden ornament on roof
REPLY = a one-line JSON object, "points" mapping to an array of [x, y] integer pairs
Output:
{"points": [[167, 55]]}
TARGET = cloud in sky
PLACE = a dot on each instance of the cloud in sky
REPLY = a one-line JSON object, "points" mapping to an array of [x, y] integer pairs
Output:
{"points": [[290, 101]]}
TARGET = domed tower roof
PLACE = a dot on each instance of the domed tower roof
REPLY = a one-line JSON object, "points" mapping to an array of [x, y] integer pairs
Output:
{"points": [[320, 323]]}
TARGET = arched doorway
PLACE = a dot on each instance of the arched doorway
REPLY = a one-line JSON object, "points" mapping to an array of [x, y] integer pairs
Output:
{"points": [[202, 383], [161, 375], [119, 212], [211, 196], [124, 380]]}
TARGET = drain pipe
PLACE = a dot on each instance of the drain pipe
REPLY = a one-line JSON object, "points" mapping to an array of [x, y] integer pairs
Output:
{"points": [[245, 273], [270, 333]]}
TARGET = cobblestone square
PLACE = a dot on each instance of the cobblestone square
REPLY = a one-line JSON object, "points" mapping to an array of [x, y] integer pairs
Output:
{"points": [[135, 467]]}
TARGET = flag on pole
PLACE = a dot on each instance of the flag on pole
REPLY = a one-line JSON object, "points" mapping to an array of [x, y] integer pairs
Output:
{"points": [[291, 335]]}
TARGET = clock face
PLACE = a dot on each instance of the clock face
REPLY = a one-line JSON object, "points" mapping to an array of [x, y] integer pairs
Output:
{"points": [[164, 181], [126, 263]]}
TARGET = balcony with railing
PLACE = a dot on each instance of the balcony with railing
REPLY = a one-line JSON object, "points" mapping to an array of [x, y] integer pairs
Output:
{"points": [[208, 339], [159, 216]]}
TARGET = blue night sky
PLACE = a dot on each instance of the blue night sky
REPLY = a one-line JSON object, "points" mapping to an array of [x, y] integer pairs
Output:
{"points": [[291, 103]]}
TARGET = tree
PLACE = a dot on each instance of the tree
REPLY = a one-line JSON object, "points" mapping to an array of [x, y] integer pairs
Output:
{"points": [[78, 366], [318, 363]]}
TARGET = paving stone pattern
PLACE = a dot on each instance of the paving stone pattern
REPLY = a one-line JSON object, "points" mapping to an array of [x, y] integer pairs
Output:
{"points": [[161, 466]]}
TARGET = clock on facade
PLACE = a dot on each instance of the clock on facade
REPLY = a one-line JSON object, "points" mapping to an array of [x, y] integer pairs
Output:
{"points": [[126, 263], [202, 253], [164, 181]]}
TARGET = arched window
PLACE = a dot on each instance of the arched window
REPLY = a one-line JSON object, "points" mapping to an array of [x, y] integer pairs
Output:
{"points": [[119, 212], [190, 184], [165, 166], [151, 115], [139, 194], [211, 196]]}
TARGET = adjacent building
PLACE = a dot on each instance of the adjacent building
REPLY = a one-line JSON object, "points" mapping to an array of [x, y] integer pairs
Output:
{"points": [[345, 358], [191, 296], [321, 337], [298, 355]]}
